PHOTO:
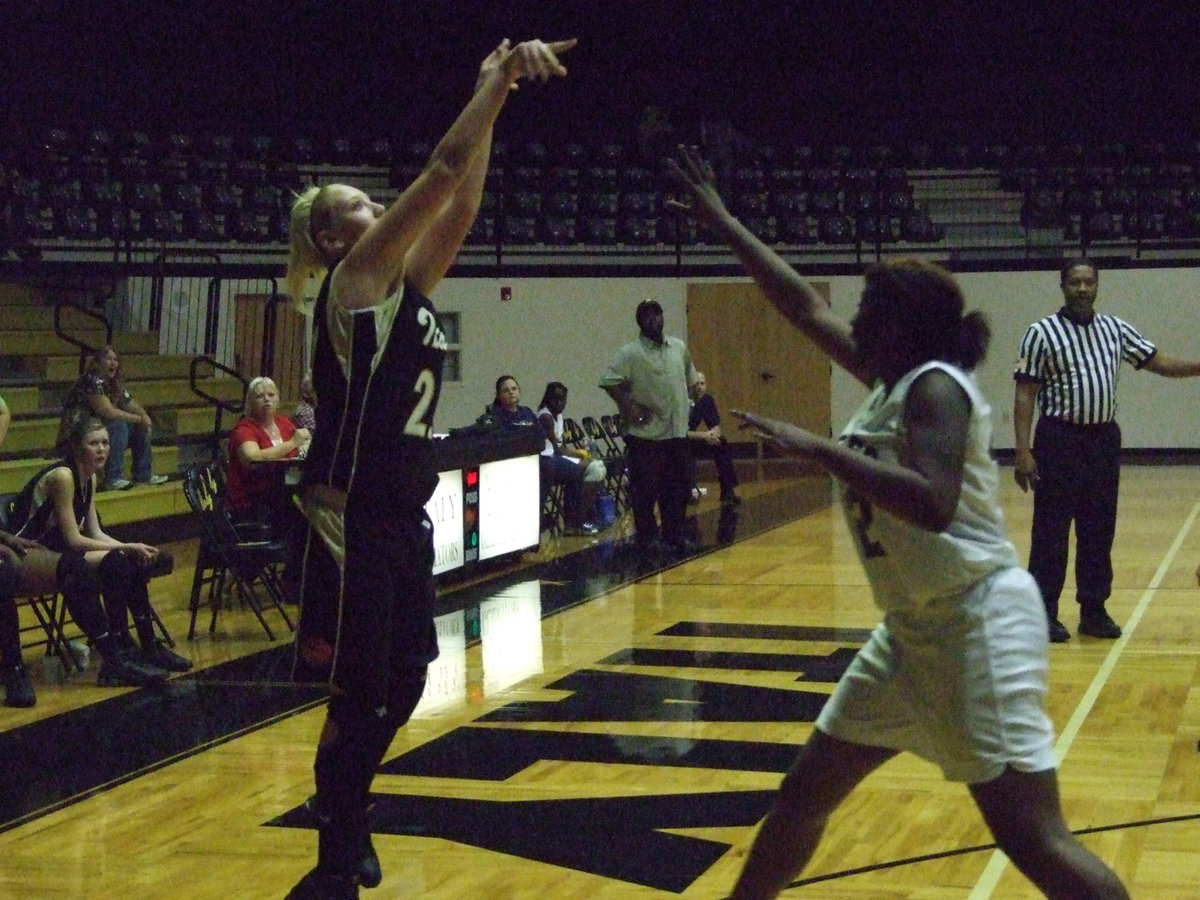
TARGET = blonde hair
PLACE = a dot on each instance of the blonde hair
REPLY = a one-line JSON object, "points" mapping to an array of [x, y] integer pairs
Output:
{"points": [[259, 381], [305, 260]]}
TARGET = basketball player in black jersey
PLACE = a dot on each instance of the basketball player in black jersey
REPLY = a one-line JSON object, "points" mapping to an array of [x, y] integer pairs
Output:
{"points": [[366, 581]]}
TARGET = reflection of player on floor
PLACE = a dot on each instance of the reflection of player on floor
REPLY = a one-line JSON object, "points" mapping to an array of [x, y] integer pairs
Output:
{"points": [[957, 670]]}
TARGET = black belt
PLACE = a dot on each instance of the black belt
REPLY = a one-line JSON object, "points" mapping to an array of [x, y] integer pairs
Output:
{"points": [[1052, 420]]}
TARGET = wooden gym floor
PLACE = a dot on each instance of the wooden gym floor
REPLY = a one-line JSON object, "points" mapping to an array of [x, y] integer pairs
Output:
{"points": [[601, 726]]}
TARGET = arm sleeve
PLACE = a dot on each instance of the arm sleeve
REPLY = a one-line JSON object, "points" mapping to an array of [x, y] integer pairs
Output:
{"points": [[617, 371], [1135, 349], [1031, 357]]}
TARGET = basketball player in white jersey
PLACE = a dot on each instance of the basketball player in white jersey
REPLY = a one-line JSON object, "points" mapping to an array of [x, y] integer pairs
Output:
{"points": [[956, 672]]}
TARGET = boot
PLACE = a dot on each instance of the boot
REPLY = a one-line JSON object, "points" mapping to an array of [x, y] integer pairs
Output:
{"points": [[370, 872], [18, 689], [119, 668], [319, 886], [156, 653]]}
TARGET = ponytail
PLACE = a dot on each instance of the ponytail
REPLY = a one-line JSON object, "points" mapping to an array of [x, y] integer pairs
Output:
{"points": [[974, 335], [305, 260]]}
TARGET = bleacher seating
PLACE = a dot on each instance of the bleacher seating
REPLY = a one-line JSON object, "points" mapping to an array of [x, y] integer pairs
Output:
{"points": [[38, 369], [135, 188]]}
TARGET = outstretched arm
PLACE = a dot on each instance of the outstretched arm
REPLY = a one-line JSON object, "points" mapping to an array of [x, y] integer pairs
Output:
{"points": [[377, 260], [791, 294], [924, 488], [434, 252], [1172, 367]]}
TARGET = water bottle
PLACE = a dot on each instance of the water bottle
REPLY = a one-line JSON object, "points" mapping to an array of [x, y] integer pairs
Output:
{"points": [[81, 652], [52, 669]]}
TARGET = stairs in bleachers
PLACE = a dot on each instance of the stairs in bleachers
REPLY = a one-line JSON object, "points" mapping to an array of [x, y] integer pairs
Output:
{"points": [[37, 368], [980, 217]]}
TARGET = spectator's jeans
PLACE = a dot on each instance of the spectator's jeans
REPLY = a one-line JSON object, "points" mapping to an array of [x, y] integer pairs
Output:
{"points": [[561, 470], [122, 435]]}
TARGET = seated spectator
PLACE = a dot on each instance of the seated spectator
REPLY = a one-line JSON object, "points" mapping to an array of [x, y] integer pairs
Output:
{"points": [[305, 414], [704, 431], [100, 392], [554, 469], [18, 689], [254, 491], [576, 470], [62, 546], [506, 407]]}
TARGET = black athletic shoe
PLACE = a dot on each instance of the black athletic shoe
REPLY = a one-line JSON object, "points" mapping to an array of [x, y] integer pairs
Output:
{"points": [[319, 886], [161, 656], [1058, 632], [370, 872], [18, 689], [123, 670], [1099, 625]]}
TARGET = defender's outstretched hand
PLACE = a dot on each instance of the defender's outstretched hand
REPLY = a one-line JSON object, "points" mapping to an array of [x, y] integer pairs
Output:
{"points": [[694, 173], [784, 435]]}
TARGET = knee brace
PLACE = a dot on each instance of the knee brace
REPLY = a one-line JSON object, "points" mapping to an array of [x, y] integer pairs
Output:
{"points": [[80, 587], [124, 585], [346, 765], [116, 572], [9, 575], [10, 623]]}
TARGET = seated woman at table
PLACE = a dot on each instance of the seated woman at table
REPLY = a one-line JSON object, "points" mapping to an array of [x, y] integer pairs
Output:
{"points": [[57, 510], [263, 436], [507, 406], [554, 469]]}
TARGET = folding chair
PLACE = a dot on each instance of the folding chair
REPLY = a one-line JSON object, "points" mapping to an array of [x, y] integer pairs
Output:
{"points": [[573, 436], [244, 555], [612, 430], [611, 455], [552, 510], [48, 610]]}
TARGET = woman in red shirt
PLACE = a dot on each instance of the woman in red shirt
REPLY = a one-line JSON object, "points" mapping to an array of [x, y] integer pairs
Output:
{"points": [[261, 437]]}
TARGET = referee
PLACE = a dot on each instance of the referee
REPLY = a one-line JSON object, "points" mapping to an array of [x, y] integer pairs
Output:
{"points": [[1069, 366]]}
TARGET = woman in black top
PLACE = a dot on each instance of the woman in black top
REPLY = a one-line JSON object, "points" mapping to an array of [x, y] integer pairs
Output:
{"points": [[57, 509], [367, 592]]}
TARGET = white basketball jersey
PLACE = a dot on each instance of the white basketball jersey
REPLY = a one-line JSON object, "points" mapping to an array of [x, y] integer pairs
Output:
{"points": [[908, 565]]}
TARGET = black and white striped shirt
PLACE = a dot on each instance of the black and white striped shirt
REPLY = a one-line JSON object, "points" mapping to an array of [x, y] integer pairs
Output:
{"points": [[1077, 365]]}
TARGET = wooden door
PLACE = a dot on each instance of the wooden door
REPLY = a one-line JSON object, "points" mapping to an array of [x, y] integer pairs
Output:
{"points": [[287, 337], [754, 359]]}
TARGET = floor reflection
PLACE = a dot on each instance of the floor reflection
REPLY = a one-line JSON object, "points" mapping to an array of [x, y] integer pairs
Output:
{"points": [[47, 766]]}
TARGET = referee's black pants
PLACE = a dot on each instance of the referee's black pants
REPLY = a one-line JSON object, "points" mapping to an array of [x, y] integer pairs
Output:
{"points": [[1079, 471]]}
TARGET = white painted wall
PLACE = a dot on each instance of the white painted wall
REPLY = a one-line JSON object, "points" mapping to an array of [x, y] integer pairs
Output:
{"points": [[566, 329], [553, 329]]}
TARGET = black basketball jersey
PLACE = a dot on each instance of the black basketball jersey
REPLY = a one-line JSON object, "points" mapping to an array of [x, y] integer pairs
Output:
{"points": [[34, 517], [377, 374]]}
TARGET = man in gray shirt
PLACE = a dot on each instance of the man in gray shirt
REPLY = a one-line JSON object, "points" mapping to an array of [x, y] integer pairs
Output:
{"points": [[650, 379]]}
